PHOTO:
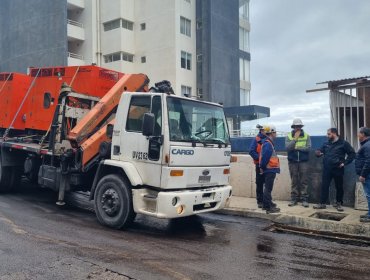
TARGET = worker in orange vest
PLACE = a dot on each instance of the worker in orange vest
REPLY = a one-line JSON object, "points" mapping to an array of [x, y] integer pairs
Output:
{"points": [[254, 152], [269, 167]]}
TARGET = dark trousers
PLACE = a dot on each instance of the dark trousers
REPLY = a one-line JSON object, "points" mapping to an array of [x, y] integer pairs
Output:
{"points": [[299, 175], [260, 178], [328, 174], [269, 184]]}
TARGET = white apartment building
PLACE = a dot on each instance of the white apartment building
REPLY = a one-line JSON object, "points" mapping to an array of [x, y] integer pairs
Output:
{"points": [[157, 38], [200, 46]]}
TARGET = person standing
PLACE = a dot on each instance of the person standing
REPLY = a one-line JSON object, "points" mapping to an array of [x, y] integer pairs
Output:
{"points": [[298, 145], [337, 154], [254, 152], [269, 167], [362, 165]]}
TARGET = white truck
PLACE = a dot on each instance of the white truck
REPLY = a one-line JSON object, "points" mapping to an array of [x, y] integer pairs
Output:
{"points": [[162, 155]]}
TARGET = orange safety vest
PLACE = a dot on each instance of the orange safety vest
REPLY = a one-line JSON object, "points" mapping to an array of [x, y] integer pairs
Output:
{"points": [[258, 149], [274, 160]]}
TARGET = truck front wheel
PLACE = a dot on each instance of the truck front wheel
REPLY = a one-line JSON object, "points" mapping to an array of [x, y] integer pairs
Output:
{"points": [[113, 202]]}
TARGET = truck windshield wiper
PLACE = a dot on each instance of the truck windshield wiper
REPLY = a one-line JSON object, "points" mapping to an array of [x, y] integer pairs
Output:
{"points": [[218, 141]]}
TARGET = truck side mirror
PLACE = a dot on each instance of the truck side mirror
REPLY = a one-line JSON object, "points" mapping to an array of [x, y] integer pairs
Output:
{"points": [[148, 124], [109, 131]]}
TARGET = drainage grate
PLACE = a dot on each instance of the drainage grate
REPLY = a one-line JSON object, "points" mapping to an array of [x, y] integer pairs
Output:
{"points": [[329, 216], [342, 238]]}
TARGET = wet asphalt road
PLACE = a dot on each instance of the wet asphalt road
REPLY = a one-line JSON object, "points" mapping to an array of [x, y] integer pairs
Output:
{"points": [[38, 240]]}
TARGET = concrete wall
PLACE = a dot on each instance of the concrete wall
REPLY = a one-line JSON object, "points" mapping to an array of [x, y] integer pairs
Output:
{"points": [[243, 180], [33, 33]]}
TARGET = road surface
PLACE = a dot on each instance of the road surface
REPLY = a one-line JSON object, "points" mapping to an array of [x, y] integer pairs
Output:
{"points": [[39, 240]]}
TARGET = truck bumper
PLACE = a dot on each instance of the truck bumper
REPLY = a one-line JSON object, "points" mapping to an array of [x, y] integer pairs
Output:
{"points": [[176, 204]]}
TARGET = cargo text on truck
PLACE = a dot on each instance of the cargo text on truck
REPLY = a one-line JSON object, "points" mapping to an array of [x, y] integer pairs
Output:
{"points": [[135, 149]]}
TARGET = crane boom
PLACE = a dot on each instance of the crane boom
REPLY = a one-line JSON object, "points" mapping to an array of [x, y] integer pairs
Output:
{"points": [[104, 108]]}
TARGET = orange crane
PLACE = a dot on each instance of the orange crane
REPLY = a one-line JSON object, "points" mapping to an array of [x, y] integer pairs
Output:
{"points": [[90, 131]]}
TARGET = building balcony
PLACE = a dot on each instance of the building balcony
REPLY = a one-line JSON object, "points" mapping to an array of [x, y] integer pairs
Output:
{"points": [[75, 30], [76, 4], [75, 59]]}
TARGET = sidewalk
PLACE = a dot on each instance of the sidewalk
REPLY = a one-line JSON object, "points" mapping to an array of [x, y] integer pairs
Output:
{"points": [[328, 220]]}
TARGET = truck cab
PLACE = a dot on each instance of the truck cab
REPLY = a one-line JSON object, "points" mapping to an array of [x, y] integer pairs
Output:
{"points": [[172, 153]]}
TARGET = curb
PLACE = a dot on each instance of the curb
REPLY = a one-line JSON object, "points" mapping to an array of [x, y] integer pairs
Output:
{"points": [[304, 223]]}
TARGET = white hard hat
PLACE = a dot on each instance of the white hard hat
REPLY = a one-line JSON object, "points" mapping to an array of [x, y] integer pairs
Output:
{"points": [[269, 128], [297, 122]]}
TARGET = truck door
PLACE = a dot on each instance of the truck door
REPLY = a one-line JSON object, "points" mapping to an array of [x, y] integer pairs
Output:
{"points": [[135, 146]]}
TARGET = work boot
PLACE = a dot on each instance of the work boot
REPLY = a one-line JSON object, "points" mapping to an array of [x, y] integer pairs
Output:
{"points": [[293, 202], [273, 205], [260, 205], [305, 204], [338, 206], [365, 220], [272, 210], [320, 206]]}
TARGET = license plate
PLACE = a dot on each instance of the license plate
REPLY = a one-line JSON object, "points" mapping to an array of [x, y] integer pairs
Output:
{"points": [[204, 179]]}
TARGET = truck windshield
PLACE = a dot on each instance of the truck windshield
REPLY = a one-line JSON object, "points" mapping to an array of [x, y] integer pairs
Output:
{"points": [[192, 121]]}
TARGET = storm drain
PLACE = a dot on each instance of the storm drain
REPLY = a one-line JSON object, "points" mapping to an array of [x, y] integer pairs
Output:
{"points": [[329, 216], [356, 240]]}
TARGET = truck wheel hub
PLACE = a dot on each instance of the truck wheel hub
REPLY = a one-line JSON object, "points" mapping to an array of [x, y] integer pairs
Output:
{"points": [[110, 202]]}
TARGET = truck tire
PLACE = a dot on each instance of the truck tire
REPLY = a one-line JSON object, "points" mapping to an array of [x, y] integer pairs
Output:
{"points": [[113, 202], [5, 177]]}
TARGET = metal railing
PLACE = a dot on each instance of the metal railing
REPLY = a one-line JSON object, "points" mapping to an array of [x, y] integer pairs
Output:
{"points": [[75, 23], [252, 133], [76, 56]]}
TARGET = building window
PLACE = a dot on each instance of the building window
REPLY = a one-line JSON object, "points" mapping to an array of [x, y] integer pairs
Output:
{"points": [[127, 57], [244, 97], [118, 56], [143, 26], [185, 60], [199, 57], [143, 59], [114, 24], [185, 26], [117, 23], [112, 57], [199, 24], [244, 9], [244, 70], [243, 39], [185, 91], [127, 24]]}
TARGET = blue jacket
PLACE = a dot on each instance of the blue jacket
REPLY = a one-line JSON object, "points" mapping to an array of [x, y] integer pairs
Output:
{"points": [[362, 162], [335, 153], [253, 147], [267, 152]]}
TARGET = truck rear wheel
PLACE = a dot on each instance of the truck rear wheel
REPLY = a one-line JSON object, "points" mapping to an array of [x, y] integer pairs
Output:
{"points": [[113, 202]]}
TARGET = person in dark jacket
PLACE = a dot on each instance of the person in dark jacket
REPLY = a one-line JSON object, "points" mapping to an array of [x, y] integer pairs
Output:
{"points": [[337, 154], [254, 151], [269, 167], [362, 165], [298, 145]]}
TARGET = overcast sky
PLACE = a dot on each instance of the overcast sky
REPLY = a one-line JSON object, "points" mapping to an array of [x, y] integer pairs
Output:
{"points": [[296, 43]]}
